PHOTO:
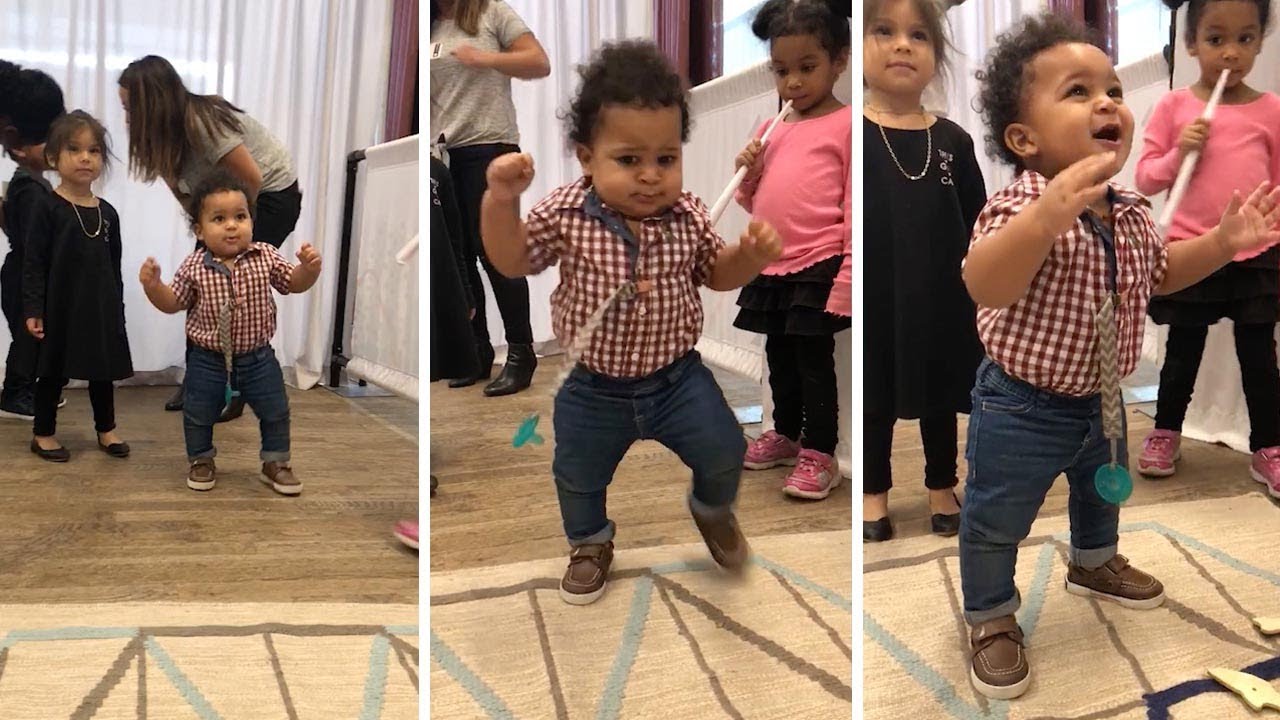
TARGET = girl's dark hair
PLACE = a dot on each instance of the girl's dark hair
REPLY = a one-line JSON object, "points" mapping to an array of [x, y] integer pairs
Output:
{"points": [[217, 182], [31, 100], [164, 117], [935, 23], [1007, 74], [632, 73], [65, 128], [1195, 11], [827, 20]]}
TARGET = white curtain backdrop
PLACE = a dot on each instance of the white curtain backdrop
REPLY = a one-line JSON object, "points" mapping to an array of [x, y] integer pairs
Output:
{"points": [[569, 31], [1217, 412], [314, 73]]}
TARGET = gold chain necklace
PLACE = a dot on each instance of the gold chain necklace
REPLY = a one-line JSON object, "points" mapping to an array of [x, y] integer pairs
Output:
{"points": [[928, 153], [76, 208]]}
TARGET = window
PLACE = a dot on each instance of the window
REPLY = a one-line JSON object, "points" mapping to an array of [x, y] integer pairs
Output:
{"points": [[742, 49], [1143, 29]]}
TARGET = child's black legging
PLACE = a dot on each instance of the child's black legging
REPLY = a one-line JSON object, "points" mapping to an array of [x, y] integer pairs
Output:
{"points": [[49, 392], [941, 444], [1256, 351], [802, 377]]}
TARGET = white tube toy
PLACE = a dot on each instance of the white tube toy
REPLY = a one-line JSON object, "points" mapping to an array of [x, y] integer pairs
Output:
{"points": [[718, 209], [1189, 162], [407, 251]]}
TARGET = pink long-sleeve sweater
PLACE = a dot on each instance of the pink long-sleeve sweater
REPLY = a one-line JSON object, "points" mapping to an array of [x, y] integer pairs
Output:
{"points": [[1243, 150], [805, 192]]}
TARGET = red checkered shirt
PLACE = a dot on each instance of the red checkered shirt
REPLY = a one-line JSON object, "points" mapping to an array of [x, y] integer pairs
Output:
{"points": [[1048, 338], [649, 331], [203, 284]]}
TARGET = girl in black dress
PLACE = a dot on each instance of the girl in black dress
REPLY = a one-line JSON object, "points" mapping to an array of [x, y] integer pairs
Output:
{"points": [[73, 292], [923, 192]]}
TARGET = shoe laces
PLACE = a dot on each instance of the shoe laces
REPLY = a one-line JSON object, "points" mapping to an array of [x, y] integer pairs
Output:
{"points": [[808, 465], [1270, 456], [1160, 443]]}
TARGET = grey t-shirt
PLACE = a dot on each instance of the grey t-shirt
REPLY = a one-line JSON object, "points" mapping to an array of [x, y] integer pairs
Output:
{"points": [[205, 152], [472, 106]]}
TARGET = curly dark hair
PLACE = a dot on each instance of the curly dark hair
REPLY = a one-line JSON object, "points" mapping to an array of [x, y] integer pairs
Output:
{"points": [[217, 182], [1196, 9], [827, 20], [31, 100], [1008, 73], [630, 72]]}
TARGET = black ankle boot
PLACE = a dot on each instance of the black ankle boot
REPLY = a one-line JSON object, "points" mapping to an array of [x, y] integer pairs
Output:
{"points": [[174, 403], [232, 411], [483, 372], [517, 374]]}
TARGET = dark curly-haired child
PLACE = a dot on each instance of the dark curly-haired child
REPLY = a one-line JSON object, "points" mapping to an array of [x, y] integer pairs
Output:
{"points": [[1062, 265], [628, 224]]}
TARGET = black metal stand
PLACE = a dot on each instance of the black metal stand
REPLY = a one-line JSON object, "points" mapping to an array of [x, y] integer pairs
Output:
{"points": [[338, 360]]}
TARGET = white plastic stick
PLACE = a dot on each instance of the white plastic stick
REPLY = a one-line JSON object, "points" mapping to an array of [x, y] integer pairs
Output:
{"points": [[407, 251], [718, 209], [1189, 162]]}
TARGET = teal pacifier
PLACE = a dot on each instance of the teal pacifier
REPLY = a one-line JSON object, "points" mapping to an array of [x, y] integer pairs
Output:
{"points": [[1113, 483]]}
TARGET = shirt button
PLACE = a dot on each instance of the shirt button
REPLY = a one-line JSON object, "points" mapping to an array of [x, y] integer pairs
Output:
{"points": [[643, 311], [635, 357]]}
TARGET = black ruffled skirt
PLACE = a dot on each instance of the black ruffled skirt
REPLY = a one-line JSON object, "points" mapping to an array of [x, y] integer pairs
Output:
{"points": [[1246, 292], [792, 304]]}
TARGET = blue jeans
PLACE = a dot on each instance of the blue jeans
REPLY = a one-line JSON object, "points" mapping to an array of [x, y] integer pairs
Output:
{"points": [[598, 418], [1021, 439], [258, 377]]}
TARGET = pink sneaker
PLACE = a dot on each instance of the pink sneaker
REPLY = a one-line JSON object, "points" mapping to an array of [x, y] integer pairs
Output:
{"points": [[1160, 451], [1266, 469], [771, 450], [814, 478], [407, 532]]}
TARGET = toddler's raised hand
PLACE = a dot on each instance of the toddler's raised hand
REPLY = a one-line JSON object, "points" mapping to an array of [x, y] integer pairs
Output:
{"points": [[750, 158], [1073, 190], [761, 243], [149, 275], [1251, 224], [1193, 136], [510, 175], [309, 258]]}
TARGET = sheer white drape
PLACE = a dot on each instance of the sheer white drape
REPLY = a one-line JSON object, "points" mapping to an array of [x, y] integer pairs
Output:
{"points": [[569, 31], [314, 73]]}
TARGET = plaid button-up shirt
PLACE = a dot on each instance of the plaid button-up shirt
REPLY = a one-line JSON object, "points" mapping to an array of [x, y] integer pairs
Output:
{"points": [[1048, 338], [203, 284], [597, 253]]}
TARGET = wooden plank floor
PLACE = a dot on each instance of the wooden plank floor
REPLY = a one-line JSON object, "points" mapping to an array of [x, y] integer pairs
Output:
{"points": [[497, 504], [1206, 471], [103, 529]]}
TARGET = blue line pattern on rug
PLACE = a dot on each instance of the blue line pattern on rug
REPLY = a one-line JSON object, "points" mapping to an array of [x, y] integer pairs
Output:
{"points": [[475, 687]]}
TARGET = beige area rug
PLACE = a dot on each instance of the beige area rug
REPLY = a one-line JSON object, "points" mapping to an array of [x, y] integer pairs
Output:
{"points": [[181, 661], [672, 637], [1219, 561]]}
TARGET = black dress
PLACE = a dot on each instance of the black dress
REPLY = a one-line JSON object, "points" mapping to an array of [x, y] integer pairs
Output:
{"points": [[73, 282], [453, 350], [921, 347]]}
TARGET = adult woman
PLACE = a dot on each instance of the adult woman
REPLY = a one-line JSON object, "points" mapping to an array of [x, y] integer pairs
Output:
{"points": [[477, 47], [180, 137]]}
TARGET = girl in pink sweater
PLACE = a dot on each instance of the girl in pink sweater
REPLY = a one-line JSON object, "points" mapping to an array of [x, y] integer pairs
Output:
{"points": [[800, 184], [1240, 150]]}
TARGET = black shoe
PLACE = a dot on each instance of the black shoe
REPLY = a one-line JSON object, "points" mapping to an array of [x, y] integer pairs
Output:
{"points": [[517, 374], [18, 409], [116, 450], [174, 403], [877, 530], [945, 525], [483, 372], [232, 411], [58, 455]]}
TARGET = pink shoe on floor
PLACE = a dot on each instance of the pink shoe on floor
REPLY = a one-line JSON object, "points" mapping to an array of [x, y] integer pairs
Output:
{"points": [[407, 532], [1266, 469], [1160, 452], [771, 450], [814, 478]]}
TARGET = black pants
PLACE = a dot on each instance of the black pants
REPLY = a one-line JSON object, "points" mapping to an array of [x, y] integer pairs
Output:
{"points": [[278, 213], [49, 392], [1256, 351], [467, 167], [802, 378], [24, 350], [941, 446]]}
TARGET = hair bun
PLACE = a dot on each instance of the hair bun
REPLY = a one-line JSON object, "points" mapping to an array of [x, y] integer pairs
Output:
{"points": [[841, 9], [1175, 4]]}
